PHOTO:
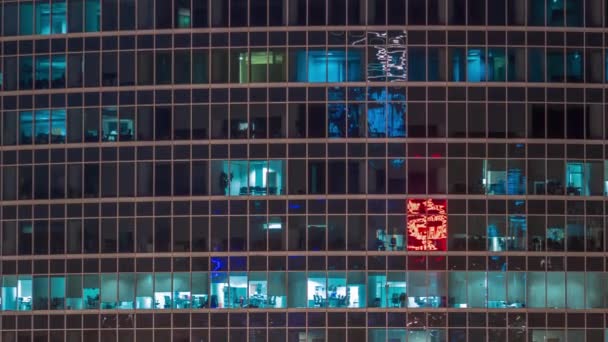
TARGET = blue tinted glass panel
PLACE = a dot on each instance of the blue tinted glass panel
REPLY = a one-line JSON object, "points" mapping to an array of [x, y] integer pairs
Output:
{"points": [[536, 11], [336, 113], [42, 126], [51, 18], [26, 16], [58, 71], [26, 68], [456, 64], [515, 181], [318, 66], [92, 16], [328, 66], [497, 66], [376, 120], [555, 66], [58, 22], [574, 178], [58, 126], [26, 125], [356, 120], [555, 12], [354, 61], [575, 66], [396, 119], [476, 65], [536, 65], [417, 64], [42, 18], [41, 72]]}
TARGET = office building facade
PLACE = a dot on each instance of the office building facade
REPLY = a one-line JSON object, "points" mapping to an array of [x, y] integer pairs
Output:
{"points": [[303, 170]]}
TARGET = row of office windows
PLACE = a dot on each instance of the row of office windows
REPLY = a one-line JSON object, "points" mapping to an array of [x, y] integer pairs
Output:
{"points": [[494, 233], [312, 262], [260, 206], [297, 318], [334, 93], [61, 16], [296, 150], [219, 66], [238, 121], [316, 332], [317, 38], [299, 177], [272, 290]]}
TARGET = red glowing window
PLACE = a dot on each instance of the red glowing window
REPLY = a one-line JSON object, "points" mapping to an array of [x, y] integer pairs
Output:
{"points": [[427, 224]]}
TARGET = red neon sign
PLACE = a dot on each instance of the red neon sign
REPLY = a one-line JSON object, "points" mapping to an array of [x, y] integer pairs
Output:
{"points": [[427, 225]]}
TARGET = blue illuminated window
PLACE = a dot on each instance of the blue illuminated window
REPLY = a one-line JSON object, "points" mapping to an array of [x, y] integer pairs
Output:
{"points": [[336, 115], [42, 126], [328, 66], [515, 181], [376, 120], [58, 126], [51, 18], [58, 71], [517, 232], [356, 120], [92, 16], [476, 65], [41, 72], [26, 124], [575, 178], [456, 64], [26, 72], [536, 65], [396, 119], [385, 117]]}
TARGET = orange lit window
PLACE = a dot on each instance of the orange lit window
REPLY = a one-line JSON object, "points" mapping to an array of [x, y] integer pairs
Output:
{"points": [[427, 224]]}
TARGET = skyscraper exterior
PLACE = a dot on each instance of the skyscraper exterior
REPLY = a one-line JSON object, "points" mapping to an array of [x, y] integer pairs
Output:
{"points": [[303, 170]]}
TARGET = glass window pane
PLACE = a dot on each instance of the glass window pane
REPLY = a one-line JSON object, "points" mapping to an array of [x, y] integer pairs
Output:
{"points": [[75, 15], [144, 291], [26, 18], [127, 14], [92, 16], [145, 14]]}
